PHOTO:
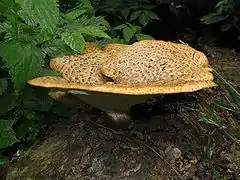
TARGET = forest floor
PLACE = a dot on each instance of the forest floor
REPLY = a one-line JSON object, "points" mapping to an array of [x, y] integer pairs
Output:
{"points": [[165, 141]]}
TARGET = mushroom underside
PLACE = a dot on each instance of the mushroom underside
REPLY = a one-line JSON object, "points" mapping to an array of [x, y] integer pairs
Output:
{"points": [[115, 100], [116, 106]]}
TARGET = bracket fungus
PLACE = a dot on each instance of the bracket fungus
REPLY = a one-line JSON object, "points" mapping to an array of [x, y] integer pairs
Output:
{"points": [[119, 76]]}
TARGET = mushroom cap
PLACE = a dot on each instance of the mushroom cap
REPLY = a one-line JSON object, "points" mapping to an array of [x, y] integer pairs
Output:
{"points": [[91, 47], [111, 49], [138, 71], [85, 68], [144, 68], [158, 62], [127, 89], [81, 68]]}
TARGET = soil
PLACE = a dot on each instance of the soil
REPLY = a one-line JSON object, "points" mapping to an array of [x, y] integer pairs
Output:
{"points": [[165, 141]]}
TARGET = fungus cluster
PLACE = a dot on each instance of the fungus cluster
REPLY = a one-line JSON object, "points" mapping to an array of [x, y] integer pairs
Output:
{"points": [[118, 76]]}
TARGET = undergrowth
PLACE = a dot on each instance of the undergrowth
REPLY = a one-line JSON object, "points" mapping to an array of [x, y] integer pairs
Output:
{"points": [[211, 116], [32, 32], [231, 104], [224, 13]]}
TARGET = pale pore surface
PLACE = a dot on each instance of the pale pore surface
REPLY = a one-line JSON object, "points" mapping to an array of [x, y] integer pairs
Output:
{"points": [[161, 62]]}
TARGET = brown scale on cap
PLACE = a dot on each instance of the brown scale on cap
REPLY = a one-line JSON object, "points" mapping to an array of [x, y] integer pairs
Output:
{"points": [[111, 49], [85, 68], [91, 47], [80, 69], [151, 61]]}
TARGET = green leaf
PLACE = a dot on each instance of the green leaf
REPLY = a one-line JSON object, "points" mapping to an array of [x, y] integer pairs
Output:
{"points": [[74, 39], [27, 34], [12, 19], [222, 3], [3, 86], [125, 12], [135, 15], [141, 37], [144, 19], [149, 7], [36, 100], [128, 33], [7, 134], [119, 27], [93, 31], [104, 42], [87, 5], [23, 61], [75, 13], [27, 18], [224, 6], [44, 12], [29, 128], [226, 26], [152, 15], [138, 28], [98, 21], [5, 27], [210, 121], [210, 116], [56, 47], [212, 18], [48, 72], [43, 36], [233, 92], [8, 102], [224, 105], [4, 5], [3, 160]]}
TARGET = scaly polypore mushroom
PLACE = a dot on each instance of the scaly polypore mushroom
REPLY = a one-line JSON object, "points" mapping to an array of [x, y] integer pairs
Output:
{"points": [[136, 72], [158, 62], [83, 68]]}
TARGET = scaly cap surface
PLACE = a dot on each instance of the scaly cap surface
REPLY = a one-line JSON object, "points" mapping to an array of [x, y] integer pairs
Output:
{"points": [[85, 68], [152, 61], [144, 68]]}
